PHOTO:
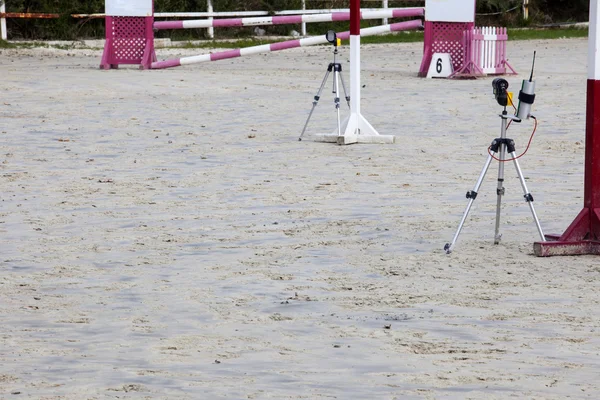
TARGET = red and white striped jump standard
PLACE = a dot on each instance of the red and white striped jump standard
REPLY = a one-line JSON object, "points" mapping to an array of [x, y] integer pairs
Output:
{"points": [[356, 128]]}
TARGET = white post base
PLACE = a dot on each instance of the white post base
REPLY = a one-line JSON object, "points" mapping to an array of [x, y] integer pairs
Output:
{"points": [[356, 130]]}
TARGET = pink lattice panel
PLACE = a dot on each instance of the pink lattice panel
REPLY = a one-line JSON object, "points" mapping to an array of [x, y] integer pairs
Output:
{"points": [[129, 40], [444, 37]]}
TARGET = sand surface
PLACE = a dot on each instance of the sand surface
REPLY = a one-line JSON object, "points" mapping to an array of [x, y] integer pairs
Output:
{"points": [[164, 234]]}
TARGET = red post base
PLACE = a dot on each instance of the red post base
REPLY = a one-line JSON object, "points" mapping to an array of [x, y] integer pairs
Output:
{"points": [[583, 235]]}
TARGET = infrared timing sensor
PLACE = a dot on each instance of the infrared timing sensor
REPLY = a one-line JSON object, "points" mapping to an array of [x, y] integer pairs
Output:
{"points": [[332, 38], [527, 95], [500, 85]]}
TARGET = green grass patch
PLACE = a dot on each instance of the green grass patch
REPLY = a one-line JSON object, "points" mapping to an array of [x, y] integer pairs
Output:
{"points": [[35, 45], [226, 44], [398, 37], [549, 33], [402, 37], [28, 45], [5, 45]]}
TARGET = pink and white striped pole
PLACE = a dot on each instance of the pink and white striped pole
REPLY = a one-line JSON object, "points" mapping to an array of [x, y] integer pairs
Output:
{"points": [[583, 235], [288, 19], [289, 44]]}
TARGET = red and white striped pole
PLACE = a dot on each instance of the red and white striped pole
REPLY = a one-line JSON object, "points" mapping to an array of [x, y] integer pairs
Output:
{"points": [[358, 129], [354, 63], [583, 235]]}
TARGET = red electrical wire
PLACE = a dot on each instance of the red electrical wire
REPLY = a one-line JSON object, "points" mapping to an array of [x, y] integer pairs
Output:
{"points": [[526, 149]]}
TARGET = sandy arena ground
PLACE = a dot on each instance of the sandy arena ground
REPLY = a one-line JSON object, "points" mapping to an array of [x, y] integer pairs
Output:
{"points": [[164, 234]]}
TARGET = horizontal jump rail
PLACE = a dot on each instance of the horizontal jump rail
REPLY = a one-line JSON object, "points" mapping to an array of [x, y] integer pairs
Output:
{"points": [[29, 15], [230, 13], [320, 11], [189, 14], [290, 19], [377, 30]]}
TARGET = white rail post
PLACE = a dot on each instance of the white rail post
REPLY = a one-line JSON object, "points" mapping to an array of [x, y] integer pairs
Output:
{"points": [[358, 129], [3, 34], [384, 5], [304, 23], [525, 10], [209, 8]]}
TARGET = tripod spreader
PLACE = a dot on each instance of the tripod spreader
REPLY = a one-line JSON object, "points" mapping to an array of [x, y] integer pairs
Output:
{"points": [[510, 148], [471, 195], [510, 145], [337, 67]]}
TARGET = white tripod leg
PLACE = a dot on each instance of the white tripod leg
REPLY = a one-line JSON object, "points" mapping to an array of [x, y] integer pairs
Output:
{"points": [[528, 197], [472, 195]]}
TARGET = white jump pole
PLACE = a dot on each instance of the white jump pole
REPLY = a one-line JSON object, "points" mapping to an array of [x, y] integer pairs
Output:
{"points": [[384, 4], [3, 34], [304, 23], [209, 8], [358, 129]]}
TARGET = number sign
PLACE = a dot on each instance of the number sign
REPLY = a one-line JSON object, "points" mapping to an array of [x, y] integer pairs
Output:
{"points": [[450, 10], [129, 8], [441, 66]]}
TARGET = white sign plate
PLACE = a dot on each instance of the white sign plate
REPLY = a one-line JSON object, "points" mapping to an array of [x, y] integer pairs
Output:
{"points": [[441, 66], [128, 8], [450, 10]]}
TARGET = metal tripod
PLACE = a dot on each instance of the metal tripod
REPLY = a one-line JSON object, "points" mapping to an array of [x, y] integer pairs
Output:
{"points": [[502, 145], [336, 68]]}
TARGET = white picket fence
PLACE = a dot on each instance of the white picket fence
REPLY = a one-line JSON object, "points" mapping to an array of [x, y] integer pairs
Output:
{"points": [[484, 52]]}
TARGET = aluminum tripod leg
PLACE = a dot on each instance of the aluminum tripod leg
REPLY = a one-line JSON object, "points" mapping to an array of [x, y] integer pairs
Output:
{"points": [[499, 193], [315, 102], [345, 91], [472, 195], [336, 99], [528, 196]]}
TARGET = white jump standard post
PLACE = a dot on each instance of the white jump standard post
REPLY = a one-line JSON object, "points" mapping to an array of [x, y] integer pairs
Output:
{"points": [[3, 33], [356, 128]]}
